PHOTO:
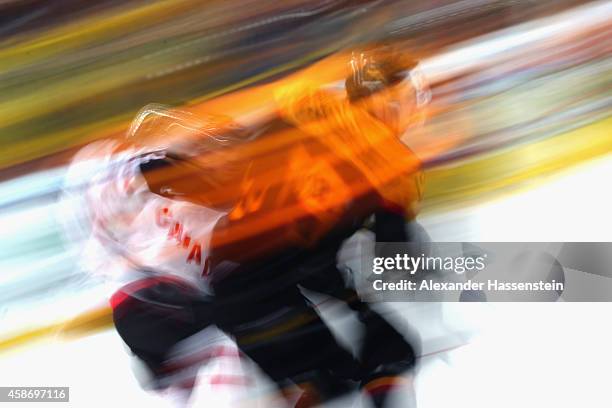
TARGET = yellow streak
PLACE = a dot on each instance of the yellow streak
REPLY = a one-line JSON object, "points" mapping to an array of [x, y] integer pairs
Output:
{"points": [[470, 181]]}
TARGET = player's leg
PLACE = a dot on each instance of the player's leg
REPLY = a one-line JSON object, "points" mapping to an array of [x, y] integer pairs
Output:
{"points": [[283, 334], [386, 356], [152, 316], [384, 388]]}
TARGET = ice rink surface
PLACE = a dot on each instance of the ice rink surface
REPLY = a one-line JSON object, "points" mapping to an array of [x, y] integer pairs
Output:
{"points": [[535, 355]]}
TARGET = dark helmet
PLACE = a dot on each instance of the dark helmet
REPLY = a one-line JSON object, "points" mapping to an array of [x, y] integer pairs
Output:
{"points": [[188, 155]]}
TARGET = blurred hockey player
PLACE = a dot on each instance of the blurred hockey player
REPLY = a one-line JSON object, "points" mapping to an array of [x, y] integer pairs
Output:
{"points": [[345, 164], [255, 220], [152, 248]]}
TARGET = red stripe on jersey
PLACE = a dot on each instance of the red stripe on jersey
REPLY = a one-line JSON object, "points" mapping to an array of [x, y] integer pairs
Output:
{"points": [[128, 290]]}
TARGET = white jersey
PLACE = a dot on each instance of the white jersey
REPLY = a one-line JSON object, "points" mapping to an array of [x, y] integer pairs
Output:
{"points": [[126, 231]]}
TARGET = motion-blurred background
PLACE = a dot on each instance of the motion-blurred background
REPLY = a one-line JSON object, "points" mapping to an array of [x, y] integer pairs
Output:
{"points": [[515, 146]]}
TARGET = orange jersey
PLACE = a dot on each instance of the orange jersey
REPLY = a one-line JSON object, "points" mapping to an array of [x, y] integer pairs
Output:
{"points": [[323, 165]]}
